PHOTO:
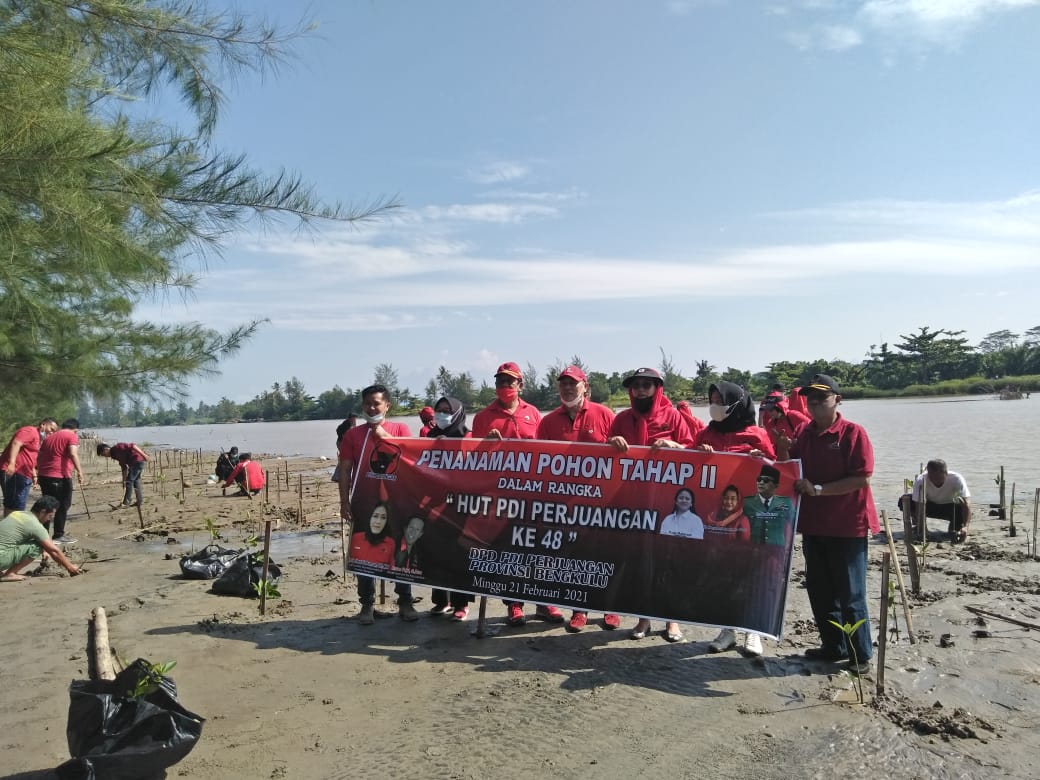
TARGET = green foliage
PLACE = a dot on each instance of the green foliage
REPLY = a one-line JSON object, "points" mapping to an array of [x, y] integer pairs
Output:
{"points": [[849, 629], [101, 206], [150, 681], [267, 589]]}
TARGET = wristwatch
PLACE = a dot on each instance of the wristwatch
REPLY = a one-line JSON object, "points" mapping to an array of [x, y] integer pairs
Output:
{"points": [[817, 490]]}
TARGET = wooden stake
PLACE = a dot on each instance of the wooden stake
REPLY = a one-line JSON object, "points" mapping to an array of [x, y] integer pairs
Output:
{"points": [[899, 580], [343, 546], [481, 631], [1036, 508], [103, 666], [267, 561], [911, 551], [140, 513], [886, 562], [382, 592], [299, 504], [267, 486], [1005, 618]]}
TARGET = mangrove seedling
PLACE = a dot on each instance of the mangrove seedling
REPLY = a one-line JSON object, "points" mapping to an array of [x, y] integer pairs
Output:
{"points": [[849, 629], [267, 589], [152, 678]]}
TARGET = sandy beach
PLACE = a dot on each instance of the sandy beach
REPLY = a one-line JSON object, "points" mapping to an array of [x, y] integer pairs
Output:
{"points": [[307, 692]]}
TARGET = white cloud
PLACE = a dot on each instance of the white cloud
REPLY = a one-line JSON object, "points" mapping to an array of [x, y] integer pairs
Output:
{"points": [[502, 213], [935, 22], [498, 172]]}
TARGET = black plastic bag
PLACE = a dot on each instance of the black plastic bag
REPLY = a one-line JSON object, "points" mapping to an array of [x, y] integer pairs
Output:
{"points": [[209, 563], [245, 572], [114, 736]]}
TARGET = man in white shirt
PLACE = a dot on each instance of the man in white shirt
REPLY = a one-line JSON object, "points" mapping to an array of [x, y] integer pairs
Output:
{"points": [[945, 495]]}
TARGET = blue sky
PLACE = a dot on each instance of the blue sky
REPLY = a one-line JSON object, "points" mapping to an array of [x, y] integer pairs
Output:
{"points": [[739, 182]]}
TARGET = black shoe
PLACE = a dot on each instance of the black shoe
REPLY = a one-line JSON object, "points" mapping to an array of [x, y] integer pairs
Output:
{"points": [[858, 668], [825, 654]]}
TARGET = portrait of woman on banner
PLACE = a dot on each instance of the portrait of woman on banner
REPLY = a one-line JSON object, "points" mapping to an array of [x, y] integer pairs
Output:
{"points": [[374, 544]]}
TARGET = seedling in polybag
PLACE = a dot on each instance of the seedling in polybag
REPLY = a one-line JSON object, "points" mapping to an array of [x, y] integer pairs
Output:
{"points": [[150, 681]]}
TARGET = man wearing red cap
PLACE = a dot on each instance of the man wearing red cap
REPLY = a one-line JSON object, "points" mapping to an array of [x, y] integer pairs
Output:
{"points": [[426, 418], [511, 417], [578, 419], [650, 421]]}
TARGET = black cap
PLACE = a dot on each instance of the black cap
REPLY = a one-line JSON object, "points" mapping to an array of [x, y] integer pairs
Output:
{"points": [[821, 383], [644, 373]]}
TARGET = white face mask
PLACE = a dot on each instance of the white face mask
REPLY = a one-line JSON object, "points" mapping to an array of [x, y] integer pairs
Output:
{"points": [[442, 419], [574, 404], [719, 412], [373, 419]]}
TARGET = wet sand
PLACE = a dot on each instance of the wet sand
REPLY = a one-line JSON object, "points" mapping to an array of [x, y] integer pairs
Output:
{"points": [[307, 692]]}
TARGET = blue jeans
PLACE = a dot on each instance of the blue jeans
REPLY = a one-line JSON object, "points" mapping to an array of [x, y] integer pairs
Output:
{"points": [[133, 483], [366, 588], [16, 490], [836, 580]]}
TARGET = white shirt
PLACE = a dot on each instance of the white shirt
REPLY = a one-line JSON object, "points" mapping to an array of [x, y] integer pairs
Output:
{"points": [[953, 486], [684, 524]]}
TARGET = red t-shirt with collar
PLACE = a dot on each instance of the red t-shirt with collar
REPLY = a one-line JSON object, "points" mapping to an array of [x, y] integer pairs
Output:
{"points": [[663, 421], [353, 446], [521, 423], [29, 436], [843, 450], [788, 424], [590, 424], [751, 438], [54, 460]]}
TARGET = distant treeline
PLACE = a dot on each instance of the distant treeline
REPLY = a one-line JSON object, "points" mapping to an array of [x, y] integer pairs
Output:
{"points": [[929, 362]]}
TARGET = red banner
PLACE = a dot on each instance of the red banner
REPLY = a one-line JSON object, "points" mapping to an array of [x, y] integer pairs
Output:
{"points": [[679, 535]]}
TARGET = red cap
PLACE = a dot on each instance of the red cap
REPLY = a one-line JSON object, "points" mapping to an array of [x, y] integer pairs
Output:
{"points": [[426, 413], [573, 372], [510, 369]]}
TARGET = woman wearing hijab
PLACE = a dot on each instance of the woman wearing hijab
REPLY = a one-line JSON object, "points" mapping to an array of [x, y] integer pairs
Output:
{"points": [[449, 419], [733, 429]]}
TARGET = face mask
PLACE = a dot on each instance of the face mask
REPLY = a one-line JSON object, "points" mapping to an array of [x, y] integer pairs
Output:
{"points": [[43, 435], [507, 394], [373, 419], [642, 405], [719, 412], [443, 420], [575, 404]]}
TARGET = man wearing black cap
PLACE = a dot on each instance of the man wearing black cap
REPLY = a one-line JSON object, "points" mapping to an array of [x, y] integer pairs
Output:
{"points": [[836, 518], [651, 420], [511, 417], [578, 419]]}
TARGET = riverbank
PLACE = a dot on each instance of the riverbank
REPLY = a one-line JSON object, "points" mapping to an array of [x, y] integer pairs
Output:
{"points": [[306, 692]]}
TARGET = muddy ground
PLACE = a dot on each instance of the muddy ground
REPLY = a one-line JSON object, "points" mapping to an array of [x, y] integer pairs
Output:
{"points": [[307, 692]]}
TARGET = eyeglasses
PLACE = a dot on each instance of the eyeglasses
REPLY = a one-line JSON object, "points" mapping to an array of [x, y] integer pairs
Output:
{"points": [[642, 384], [505, 381]]}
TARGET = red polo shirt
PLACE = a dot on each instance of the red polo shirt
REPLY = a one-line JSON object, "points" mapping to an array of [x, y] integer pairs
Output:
{"points": [[521, 423], [353, 446], [590, 424], [55, 460], [843, 450], [25, 463]]}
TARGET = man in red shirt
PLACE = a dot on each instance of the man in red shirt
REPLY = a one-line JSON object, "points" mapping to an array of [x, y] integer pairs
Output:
{"points": [[836, 518], [511, 417], [131, 460], [780, 420], [578, 419], [249, 475], [59, 456], [18, 463], [356, 450]]}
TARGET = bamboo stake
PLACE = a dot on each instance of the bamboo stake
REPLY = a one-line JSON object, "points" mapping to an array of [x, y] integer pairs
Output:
{"points": [[899, 580], [267, 561], [1005, 618], [911, 551], [886, 563], [278, 486], [287, 485], [299, 503], [103, 666], [1036, 508], [83, 493], [343, 546], [267, 486], [138, 530], [140, 513]]}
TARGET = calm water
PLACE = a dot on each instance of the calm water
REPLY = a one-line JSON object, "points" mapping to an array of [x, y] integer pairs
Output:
{"points": [[975, 435]]}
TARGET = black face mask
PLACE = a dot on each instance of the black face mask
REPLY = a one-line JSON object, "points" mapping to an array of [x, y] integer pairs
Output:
{"points": [[642, 405]]}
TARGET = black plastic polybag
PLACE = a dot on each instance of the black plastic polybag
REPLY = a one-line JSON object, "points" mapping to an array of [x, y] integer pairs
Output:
{"points": [[208, 563], [113, 736], [245, 572]]}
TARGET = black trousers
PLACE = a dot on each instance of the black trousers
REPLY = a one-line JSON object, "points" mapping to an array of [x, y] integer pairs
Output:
{"points": [[61, 489]]}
